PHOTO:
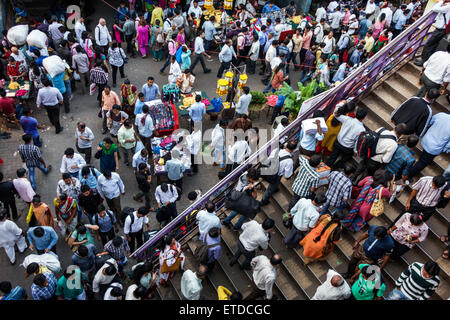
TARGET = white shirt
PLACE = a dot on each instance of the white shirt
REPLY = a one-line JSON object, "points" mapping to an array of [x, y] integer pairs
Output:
{"points": [[191, 285], [170, 196], [328, 292], [275, 62], [264, 274], [130, 292], [72, 190], [198, 46], [254, 51], [67, 163], [335, 18], [9, 233], [174, 72], [137, 223], [271, 53], [110, 188], [194, 141], [167, 25], [279, 28], [332, 5], [350, 130], [437, 67], [305, 215], [218, 136], [286, 167], [253, 236], [388, 15], [197, 11], [108, 291], [329, 44], [79, 28], [385, 147], [146, 129], [370, 8], [443, 16], [243, 103], [138, 159], [321, 13], [238, 151], [102, 36], [318, 32], [100, 278], [207, 221], [352, 27], [86, 134]]}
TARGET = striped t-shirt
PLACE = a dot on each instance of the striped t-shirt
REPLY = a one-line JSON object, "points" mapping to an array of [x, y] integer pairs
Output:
{"points": [[307, 177], [426, 195], [414, 285]]}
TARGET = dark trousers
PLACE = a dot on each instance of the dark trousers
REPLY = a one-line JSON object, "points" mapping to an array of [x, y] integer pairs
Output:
{"points": [[178, 183], [130, 47], [339, 150], [271, 189], [114, 205], [368, 166], [114, 73], [105, 120], [255, 293], [87, 153], [432, 43], [399, 249], [147, 198], [10, 205], [223, 66], [107, 236], [172, 208], [166, 64], [416, 207], [146, 141], [249, 255], [136, 238], [424, 160], [100, 88], [197, 58], [53, 116], [194, 164], [294, 237], [66, 102], [251, 66], [427, 84]]}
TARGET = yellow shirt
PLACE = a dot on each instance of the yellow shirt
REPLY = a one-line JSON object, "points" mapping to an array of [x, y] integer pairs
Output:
{"points": [[369, 43], [223, 293], [157, 14]]}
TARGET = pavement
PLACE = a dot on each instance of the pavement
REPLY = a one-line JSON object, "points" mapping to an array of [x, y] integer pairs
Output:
{"points": [[85, 108]]}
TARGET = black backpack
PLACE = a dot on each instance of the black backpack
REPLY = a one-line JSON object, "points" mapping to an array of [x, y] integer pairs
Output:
{"points": [[127, 211], [272, 178], [243, 203], [367, 143], [101, 258]]}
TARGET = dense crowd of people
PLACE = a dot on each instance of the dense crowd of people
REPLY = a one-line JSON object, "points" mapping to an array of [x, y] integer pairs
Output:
{"points": [[87, 213]]}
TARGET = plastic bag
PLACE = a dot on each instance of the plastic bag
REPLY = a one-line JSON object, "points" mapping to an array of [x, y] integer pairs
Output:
{"points": [[49, 260], [37, 39], [76, 76], [92, 88], [60, 226], [54, 65], [17, 35]]}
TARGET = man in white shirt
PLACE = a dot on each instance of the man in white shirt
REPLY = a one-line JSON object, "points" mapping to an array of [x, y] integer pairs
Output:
{"points": [[270, 54], [11, 235], [370, 10], [336, 18], [191, 283], [104, 276], [166, 196], [144, 123], [72, 162], [68, 185], [138, 158], [195, 9], [79, 28], [387, 13], [218, 142], [194, 141], [264, 276], [237, 152], [280, 165], [114, 292], [435, 72], [55, 34], [253, 55], [321, 13], [304, 217], [243, 102], [110, 186], [253, 236], [442, 8], [200, 52], [334, 288], [345, 143], [332, 5], [207, 219], [102, 35], [225, 57], [83, 140], [133, 227]]}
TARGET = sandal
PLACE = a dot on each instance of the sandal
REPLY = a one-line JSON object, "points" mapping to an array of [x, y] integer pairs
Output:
{"points": [[444, 238], [445, 254]]}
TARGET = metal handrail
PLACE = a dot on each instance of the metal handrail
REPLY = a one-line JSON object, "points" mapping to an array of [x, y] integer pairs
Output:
{"points": [[357, 83]]}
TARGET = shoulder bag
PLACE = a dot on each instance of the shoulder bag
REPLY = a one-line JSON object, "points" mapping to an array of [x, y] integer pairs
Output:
{"points": [[377, 205]]}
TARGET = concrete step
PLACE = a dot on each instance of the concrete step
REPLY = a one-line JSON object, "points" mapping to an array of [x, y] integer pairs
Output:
{"points": [[167, 292]]}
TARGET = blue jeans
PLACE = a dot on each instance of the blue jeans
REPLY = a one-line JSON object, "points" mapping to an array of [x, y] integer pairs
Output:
{"points": [[216, 156], [304, 76], [68, 88], [37, 141], [74, 174], [233, 214], [31, 173], [269, 86], [397, 295], [166, 64], [207, 45], [18, 111], [327, 205]]}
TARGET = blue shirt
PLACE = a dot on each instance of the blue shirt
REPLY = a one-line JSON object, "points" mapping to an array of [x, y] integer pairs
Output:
{"points": [[437, 138], [91, 179], [150, 93], [122, 14], [106, 223], [47, 241], [58, 82], [400, 22], [209, 29], [262, 37], [196, 111], [401, 161], [356, 57], [308, 141], [138, 106], [340, 73], [47, 292], [175, 169], [29, 125], [376, 249], [362, 28], [267, 9], [85, 263], [18, 293]]}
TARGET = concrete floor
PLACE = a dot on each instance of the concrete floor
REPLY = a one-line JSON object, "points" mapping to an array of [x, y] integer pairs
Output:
{"points": [[85, 108]]}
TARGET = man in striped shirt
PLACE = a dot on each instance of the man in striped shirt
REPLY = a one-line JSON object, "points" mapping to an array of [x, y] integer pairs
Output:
{"points": [[307, 180], [418, 282], [403, 159], [99, 77], [339, 189]]}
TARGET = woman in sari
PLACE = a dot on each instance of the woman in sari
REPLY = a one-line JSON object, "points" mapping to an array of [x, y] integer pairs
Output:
{"points": [[115, 117], [181, 38], [379, 26], [380, 43], [66, 210], [321, 240], [129, 96], [39, 213], [142, 37], [169, 256], [109, 155], [369, 189], [334, 126]]}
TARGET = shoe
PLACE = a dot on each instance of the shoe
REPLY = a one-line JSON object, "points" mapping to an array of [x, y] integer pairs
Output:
{"points": [[227, 224], [261, 73], [127, 164], [245, 268], [124, 76], [207, 70], [60, 130], [49, 168], [214, 164], [219, 76], [231, 263], [161, 73]]}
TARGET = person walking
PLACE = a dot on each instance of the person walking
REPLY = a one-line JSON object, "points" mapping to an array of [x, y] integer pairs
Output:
{"points": [[134, 227], [144, 180], [334, 288], [83, 140], [200, 52], [191, 283], [264, 276], [109, 99], [142, 37], [102, 36], [107, 224], [175, 169], [339, 189], [110, 187], [42, 238], [166, 196], [127, 138], [7, 197], [72, 163], [80, 64], [144, 124], [226, 55], [117, 58], [23, 186], [99, 77], [51, 99], [11, 235]]}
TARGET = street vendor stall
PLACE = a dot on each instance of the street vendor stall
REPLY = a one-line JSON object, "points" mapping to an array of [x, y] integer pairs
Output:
{"points": [[20, 92], [164, 116]]}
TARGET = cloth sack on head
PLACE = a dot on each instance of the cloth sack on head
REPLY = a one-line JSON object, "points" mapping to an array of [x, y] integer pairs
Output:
{"points": [[37, 39], [17, 35], [54, 65], [49, 260]]}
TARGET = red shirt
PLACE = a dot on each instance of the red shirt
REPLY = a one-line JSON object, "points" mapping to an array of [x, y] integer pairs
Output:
{"points": [[7, 105]]}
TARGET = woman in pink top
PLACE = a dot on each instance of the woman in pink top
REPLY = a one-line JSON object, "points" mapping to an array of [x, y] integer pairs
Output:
{"points": [[379, 26], [278, 77], [307, 35], [142, 37], [181, 38], [407, 231]]}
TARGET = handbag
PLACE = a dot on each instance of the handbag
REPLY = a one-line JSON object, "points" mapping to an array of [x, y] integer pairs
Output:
{"points": [[98, 154], [173, 268], [125, 58], [377, 205]]}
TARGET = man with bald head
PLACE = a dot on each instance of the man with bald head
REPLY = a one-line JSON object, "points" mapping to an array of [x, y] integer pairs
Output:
{"points": [[334, 288], [102, 35], [264, 275]]}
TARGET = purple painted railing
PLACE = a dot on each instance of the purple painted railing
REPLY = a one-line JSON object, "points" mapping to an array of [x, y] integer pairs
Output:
{"points": [[355, 85]]}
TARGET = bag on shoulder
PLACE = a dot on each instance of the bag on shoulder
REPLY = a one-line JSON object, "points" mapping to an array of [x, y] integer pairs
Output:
{"points": [[377, 205], [173, 268], [367, 143], [201, 252], [127, 211]]}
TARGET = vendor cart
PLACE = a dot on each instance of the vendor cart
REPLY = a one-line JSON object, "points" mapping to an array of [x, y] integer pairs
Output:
{"points": [[164, 116]]}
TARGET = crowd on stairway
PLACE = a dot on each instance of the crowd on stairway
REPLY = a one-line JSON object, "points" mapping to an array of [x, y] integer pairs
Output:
{"points": [[331, 195]]}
